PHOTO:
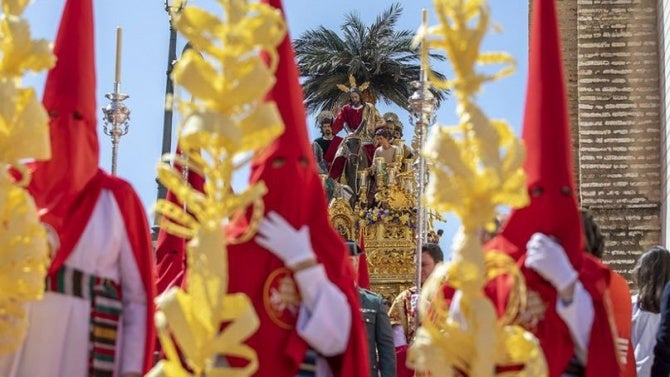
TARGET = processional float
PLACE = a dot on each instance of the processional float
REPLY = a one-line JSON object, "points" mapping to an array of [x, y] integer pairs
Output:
{"points": [[389, 216]]}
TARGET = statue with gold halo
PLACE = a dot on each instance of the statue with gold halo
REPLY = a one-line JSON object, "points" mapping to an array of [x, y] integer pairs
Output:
{"points": [[359, 119], [24, 253], [475, 167]]}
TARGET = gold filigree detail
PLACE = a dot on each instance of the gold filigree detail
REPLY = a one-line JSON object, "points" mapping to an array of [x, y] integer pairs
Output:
{"points": [[342, 218], [352, 85]]}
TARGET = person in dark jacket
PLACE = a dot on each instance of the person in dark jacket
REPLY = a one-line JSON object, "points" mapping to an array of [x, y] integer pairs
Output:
{"points": [[377, 326], [661, 365]]}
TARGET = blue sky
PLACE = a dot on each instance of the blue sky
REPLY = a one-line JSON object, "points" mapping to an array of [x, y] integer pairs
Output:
{"points": [[145, 45]]}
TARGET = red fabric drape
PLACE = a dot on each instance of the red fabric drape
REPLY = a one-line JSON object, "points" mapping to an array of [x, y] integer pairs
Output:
{"points": [[363, 272], [171, 249]]}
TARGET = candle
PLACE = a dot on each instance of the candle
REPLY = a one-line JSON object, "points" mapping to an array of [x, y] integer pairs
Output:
{"points": [[364, 178], [380, 165], [117, 75]]}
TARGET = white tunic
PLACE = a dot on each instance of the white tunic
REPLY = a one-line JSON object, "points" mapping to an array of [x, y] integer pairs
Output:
{"points": [[643, 338], [58, 336]]}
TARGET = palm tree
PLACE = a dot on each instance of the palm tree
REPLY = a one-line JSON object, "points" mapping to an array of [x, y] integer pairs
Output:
{"points": [[376, 53]]}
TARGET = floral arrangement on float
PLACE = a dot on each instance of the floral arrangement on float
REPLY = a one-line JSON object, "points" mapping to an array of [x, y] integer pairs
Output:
{"points": [[388, 216]]}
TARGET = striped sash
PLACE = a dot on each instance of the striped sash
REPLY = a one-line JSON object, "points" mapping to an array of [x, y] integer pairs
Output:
{"points": [[106, 307], [308, 365]]}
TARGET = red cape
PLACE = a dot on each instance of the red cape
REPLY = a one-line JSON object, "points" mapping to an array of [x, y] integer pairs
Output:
{"points": [[329, 155], [622, 306], [137, 230]]}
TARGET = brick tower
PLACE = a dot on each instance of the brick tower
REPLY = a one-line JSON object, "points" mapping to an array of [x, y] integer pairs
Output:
{"points": [[614, 58]]}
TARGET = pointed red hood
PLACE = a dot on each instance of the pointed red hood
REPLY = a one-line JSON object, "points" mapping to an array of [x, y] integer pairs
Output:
{"points": [[553, 206], [69, 97], [288, 169], [289, 159]]}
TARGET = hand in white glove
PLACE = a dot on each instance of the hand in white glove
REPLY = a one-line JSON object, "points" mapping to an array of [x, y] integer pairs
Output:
{"points": [[546, 257], [292, 246]]}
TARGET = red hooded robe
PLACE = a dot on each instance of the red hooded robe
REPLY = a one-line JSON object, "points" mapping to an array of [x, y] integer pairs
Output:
{"points": [[171, 249], [363, 271], [289, 170], [553, 206], [67, 187]]}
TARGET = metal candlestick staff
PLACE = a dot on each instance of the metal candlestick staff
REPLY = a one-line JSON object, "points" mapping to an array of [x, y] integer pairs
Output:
{"points": [[422, 105], [116, 114]]}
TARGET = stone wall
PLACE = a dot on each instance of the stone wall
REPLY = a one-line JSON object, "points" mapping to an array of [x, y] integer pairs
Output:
{"points": [[664, 43], [567, 11], [612, 69]]}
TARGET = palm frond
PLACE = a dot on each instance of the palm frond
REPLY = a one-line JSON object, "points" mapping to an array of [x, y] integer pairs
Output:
{"points": [[377, 53]]}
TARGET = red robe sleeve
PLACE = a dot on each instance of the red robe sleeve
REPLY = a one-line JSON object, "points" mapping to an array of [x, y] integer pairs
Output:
{"points": [[340, 119]]}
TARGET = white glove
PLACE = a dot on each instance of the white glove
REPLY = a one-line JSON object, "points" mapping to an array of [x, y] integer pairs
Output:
{"points": [[288, 244], [546, 257], [455, 310]]}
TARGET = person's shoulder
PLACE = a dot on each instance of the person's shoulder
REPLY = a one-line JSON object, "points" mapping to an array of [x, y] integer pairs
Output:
{"points": [[371, 295]]}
